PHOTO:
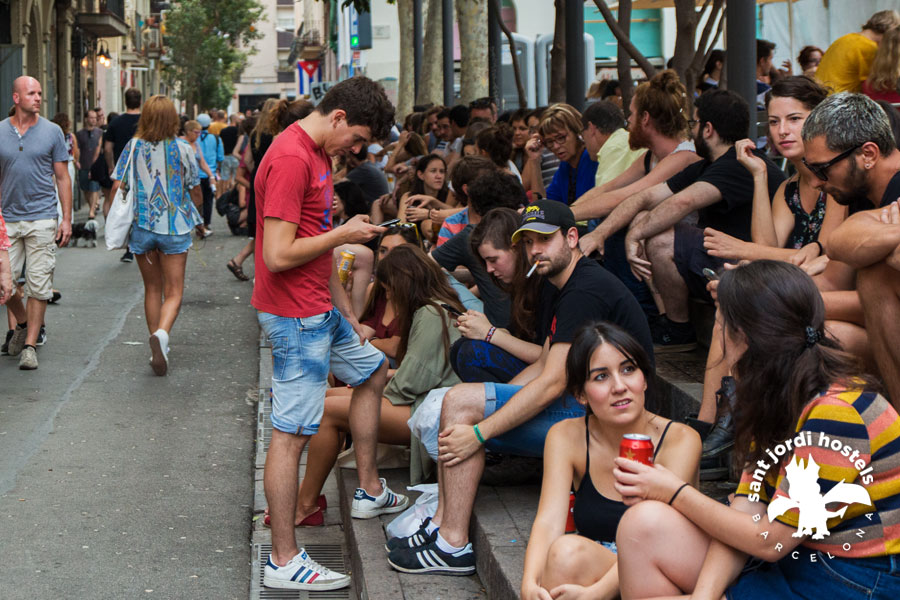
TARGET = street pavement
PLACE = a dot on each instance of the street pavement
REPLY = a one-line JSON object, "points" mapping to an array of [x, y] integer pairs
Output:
{"points": [[118, 484]]}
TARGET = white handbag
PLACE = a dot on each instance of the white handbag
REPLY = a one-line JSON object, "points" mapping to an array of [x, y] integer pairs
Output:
{"points": [[121, 213]]}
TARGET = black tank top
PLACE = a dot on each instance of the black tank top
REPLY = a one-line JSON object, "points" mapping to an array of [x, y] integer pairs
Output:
{"points": [[596, 516]]}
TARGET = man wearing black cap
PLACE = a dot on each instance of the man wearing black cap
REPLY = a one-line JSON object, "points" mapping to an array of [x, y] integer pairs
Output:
{"points": [[514, 418]]}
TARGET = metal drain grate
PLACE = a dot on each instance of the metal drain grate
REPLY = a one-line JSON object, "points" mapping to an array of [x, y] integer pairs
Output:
{"points": [[327, 555]]}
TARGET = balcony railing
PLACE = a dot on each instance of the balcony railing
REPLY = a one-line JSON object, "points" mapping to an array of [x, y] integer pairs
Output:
{"points": [[103, 18]]}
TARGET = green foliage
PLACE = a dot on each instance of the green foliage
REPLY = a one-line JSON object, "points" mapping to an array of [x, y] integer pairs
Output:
{"points": [[208, 42]]}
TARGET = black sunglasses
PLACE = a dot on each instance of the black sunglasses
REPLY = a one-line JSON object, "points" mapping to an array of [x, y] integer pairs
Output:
{"points": [[820, 170]]}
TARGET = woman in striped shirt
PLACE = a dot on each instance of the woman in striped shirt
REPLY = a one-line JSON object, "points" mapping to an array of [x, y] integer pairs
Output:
{"points": [[818, 507]]}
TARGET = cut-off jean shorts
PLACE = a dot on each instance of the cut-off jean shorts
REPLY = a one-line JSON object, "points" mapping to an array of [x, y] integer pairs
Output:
{"points": [[142, 241], [528, 438], [304, 350]]}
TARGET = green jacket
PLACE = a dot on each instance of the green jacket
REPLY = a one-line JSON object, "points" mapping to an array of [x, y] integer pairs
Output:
{"points": [[425, 367]]}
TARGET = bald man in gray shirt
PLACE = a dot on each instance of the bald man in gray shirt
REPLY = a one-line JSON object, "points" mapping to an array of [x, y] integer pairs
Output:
{"points": [[32, 151]]}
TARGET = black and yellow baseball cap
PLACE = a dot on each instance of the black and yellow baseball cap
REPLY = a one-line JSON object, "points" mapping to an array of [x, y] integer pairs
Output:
{"points": [[545, 216]]}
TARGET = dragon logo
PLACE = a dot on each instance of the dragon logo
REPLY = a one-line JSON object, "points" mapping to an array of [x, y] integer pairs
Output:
{"points": [[803, 481]]}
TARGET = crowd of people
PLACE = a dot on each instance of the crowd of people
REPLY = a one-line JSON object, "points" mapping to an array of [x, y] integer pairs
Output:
{"points": [[515, 275]]}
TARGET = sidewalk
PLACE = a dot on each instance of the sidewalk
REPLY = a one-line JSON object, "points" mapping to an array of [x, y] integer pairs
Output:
{"points": [[115, 483]]}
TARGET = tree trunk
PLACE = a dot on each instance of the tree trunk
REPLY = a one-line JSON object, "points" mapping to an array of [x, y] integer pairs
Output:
{"points": [[558, 55], [431, 88], [520, 89], [623, 59], [471, 15], [406, 84]]}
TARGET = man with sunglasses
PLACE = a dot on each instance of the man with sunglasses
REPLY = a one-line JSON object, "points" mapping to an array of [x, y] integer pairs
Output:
{"points": [[853, 156]]}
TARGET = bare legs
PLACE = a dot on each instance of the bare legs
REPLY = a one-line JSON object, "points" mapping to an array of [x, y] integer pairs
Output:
{"points": [[365, 415], [648, 567], [163, 276], [280, 484], [463, 404], [667, 279], [576, 560], [360, 274], [326, 444], [879, 290]]}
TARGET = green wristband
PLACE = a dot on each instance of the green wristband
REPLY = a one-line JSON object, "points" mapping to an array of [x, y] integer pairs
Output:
{"points": [[478, 435]]}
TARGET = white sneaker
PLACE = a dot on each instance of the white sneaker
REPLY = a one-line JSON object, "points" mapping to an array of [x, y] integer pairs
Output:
{"points": [[365, 506], [159, 349], [303, 573]]}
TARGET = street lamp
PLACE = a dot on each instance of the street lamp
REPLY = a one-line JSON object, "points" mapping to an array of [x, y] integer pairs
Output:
{"points": [[103, 55]]}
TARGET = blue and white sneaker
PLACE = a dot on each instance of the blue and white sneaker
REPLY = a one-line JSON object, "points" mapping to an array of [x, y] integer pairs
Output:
{"points": [[431, 559], [419, 538], [365, 506], [303, 573]]}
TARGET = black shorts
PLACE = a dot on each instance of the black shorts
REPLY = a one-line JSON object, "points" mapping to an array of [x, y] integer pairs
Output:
{"points": [[691, 258]]}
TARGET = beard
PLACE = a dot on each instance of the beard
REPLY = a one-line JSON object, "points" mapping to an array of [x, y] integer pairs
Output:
{"points": [[857, 186], [637, 137], [558, 262], [702, 148]]}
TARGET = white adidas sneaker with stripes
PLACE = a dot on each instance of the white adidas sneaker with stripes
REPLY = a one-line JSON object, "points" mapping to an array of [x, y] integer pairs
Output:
{"points": [[303, 573], [366, 507]]}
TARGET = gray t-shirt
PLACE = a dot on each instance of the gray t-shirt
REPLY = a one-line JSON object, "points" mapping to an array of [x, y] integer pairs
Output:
{"points": [[88, 140], [27, 192]]}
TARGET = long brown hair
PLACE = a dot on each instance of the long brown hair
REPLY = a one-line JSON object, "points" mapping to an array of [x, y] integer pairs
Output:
{"points": [[496, 228], [415, 281], [789, 359]]}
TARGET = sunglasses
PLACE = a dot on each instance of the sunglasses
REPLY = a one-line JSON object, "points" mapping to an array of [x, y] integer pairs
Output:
{"points": [[820, 170]]}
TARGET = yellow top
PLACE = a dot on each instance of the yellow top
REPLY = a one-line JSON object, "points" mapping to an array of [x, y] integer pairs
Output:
{"points": [[845, 65], [615, 156], [216, 127]]}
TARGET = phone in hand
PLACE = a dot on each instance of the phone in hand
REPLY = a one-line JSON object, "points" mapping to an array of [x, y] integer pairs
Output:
{"points": [[710, 274], [389, 222], [453, 312]]}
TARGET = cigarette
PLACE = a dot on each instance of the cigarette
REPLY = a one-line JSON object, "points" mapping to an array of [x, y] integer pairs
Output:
{"points": [[533, 267]]}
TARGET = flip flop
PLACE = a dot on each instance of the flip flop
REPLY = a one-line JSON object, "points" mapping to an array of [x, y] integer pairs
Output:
{"points": [[237, 271]]}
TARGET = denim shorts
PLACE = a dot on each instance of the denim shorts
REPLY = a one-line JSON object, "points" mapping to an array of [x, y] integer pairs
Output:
{"points": [[143, 241], [846, 578], [528, 438], [304, 350], [228, 167], [85, 183]]}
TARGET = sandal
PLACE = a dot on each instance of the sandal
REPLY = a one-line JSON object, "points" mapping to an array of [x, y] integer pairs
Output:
{"points": [[237, 271]]}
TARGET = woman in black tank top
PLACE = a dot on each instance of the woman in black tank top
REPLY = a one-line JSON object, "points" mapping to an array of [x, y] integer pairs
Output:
{"points": [[609, 372]]}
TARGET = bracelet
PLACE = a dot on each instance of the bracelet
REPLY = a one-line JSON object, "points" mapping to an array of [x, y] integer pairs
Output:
{"points": [[678, 491], [478, 435], [821, 249], [490, 334]]}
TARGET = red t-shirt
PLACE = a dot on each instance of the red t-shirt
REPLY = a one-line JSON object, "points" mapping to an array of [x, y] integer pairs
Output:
{"points": [[293, 184]]}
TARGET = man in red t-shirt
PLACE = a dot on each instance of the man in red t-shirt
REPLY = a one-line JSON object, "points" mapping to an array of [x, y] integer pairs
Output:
{"points": [[308, 319]]}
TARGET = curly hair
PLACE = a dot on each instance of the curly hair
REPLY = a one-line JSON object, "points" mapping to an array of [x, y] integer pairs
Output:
{"points": [[365, 103]]}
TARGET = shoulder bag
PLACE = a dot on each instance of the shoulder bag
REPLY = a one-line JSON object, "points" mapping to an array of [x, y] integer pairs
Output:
{"points": [[121, 214]]}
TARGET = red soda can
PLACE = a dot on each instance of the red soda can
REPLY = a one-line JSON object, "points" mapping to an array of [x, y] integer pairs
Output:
{"points": [[570, 520], [636, 446]]}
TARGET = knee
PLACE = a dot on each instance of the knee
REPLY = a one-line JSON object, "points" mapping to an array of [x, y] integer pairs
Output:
{"points": [[643, 525], [661, 246], [463, 403], [568, 558]]}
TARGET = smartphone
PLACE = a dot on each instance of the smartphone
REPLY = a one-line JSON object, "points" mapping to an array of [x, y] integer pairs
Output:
{"points": [[389, 222], [710, 274], [453, 312]]}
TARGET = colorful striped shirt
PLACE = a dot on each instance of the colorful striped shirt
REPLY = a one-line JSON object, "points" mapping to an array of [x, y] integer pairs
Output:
{"points": [[853, 435], [453, 225]]}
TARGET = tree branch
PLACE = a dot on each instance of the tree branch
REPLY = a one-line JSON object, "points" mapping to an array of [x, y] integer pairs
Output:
{"points": [[707, 30], [523, 100], [702, 10], [623, 40]]}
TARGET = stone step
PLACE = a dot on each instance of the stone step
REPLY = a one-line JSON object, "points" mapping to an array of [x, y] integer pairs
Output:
{"points": [[373, 577]]}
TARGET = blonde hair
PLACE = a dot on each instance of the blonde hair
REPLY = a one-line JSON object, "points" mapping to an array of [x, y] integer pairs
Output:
{"points": [[884, 75], [560, 116], [883, 21], [159, 120], [192, 125]]}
